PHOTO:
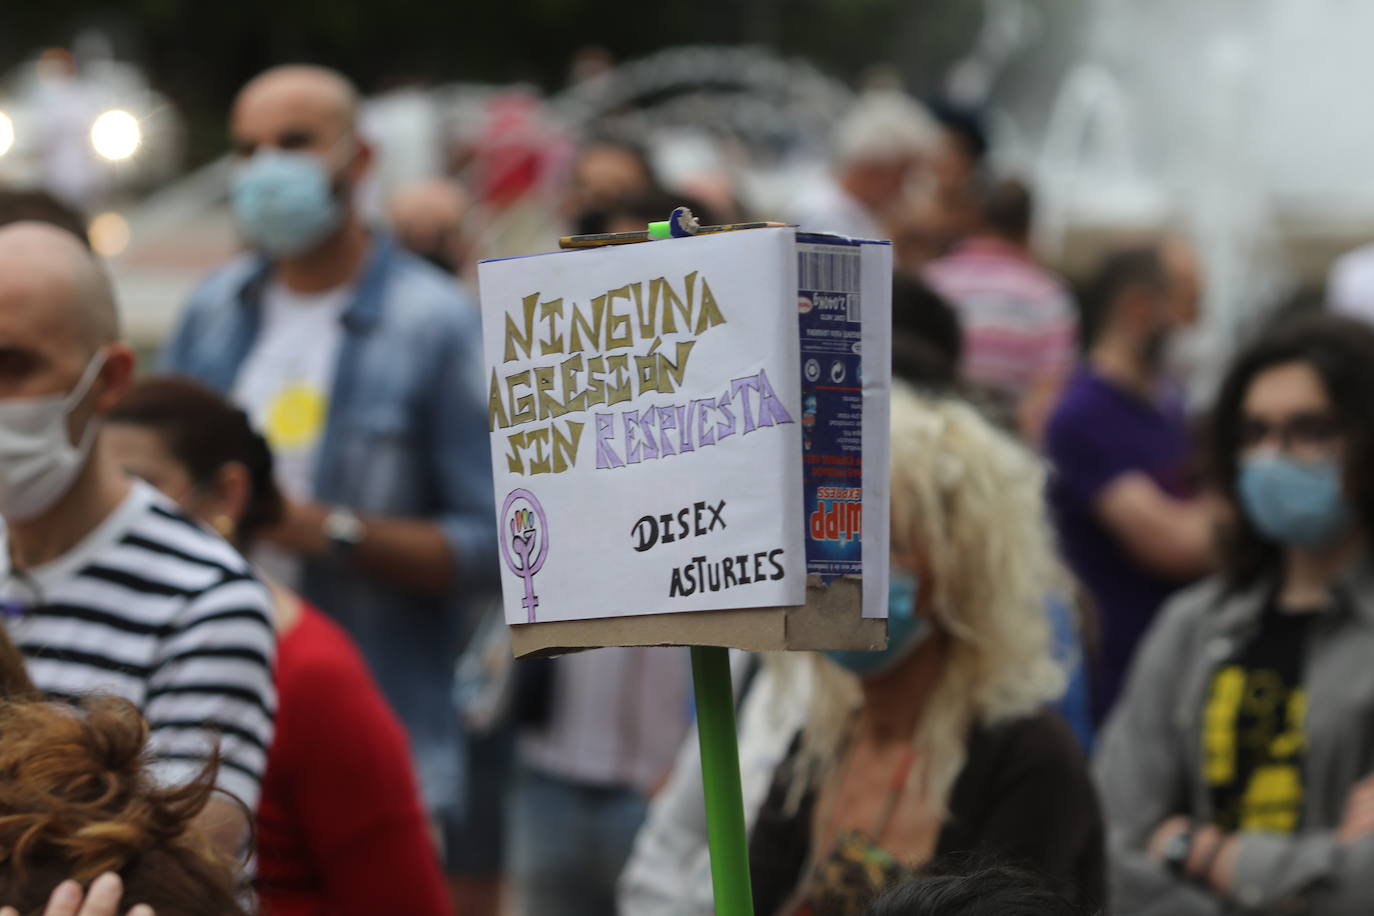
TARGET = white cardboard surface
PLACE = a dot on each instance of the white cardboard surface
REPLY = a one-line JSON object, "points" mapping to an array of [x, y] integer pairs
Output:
{"points": [[877, 438], [577, 491]]}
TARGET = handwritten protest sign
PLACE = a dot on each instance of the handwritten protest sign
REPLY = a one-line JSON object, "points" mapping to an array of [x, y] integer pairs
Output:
{"points": [[683, 426], [690, 447], [645, 414]]}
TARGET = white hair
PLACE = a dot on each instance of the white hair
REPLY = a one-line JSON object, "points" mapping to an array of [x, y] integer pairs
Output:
{"points": [[971, 500], [884, 124]]}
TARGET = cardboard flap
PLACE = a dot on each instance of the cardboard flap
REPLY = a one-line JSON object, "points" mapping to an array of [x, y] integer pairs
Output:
{"points": [[831, 619]]}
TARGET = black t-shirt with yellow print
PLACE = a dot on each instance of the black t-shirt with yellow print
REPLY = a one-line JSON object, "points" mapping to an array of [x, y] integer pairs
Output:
{"points": [[1254, 734]]}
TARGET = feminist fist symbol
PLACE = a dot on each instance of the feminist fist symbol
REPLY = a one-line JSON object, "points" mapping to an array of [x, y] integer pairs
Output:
{"points": [[527, 540]]}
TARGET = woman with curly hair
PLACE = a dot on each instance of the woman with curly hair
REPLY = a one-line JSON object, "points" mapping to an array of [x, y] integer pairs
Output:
{"points": [[46, 838], [77, 801], [938, 746]]}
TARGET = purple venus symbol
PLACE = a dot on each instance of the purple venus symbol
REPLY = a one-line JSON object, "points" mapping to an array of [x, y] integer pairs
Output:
{"points": [[525, 537]]}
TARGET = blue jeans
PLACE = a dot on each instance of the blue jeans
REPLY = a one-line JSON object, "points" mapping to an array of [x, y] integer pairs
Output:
{"points": [[475, 841], [568, 844], [1075, 706]]}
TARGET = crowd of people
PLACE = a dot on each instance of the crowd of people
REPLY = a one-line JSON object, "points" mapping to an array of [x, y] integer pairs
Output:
{"points": [[1127, 662]]}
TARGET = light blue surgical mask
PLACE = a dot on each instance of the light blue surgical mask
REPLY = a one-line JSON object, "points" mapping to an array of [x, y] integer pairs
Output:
{"points": [[1297, 503], [905, 631], [284, 202]]}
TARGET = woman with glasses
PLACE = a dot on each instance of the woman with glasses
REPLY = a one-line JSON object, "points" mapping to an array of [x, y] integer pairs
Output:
{"points": [[1236, 771]]}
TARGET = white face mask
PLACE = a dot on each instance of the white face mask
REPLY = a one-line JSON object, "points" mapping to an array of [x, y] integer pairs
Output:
{"points": [[38, 462]]}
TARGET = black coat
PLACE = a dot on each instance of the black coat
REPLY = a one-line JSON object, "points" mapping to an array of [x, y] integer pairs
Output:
{"points": [[1023, 798]]}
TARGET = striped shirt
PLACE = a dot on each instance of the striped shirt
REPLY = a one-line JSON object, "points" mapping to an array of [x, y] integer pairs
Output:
{"points": [[154, 608], [1018, 319]]}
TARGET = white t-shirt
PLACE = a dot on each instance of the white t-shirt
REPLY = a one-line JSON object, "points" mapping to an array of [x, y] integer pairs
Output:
{"points": [[285, 385], [1350, 284], [824, 206]]}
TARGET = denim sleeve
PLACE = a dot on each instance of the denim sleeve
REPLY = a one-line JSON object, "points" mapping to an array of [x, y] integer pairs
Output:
{"points": [[463, 453], [176, 355]]}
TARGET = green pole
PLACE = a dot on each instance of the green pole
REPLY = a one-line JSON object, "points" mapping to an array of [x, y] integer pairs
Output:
{"points": [[720, 779]]}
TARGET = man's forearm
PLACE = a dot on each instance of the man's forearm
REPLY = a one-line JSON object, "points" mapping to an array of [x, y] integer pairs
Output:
{"points": [[409, 552]]}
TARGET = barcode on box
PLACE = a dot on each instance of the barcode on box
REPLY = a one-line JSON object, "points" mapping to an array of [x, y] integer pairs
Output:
{"points": [[830, 271]]}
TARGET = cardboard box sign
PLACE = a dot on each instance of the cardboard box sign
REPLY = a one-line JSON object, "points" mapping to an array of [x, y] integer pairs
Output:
{"points": [[690, 441]]}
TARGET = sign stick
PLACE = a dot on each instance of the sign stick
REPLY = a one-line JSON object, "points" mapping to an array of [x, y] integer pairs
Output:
{"points": [[725, 832]]}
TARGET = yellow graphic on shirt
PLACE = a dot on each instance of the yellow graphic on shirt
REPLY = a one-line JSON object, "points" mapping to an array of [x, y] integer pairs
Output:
{"points": [[1250, 712], [295, 417], [1272, 800], [1219, 726]]}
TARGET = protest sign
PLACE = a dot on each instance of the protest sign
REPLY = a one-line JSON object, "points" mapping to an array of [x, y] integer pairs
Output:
{"points": [[689, 441]]}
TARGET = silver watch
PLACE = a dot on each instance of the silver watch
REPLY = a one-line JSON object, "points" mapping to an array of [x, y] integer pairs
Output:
{"points": [[343, 530]]}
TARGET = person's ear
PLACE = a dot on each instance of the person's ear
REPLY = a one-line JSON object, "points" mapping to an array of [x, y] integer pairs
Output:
{"points": [[116, 376], [361, 163], [230, 491]]}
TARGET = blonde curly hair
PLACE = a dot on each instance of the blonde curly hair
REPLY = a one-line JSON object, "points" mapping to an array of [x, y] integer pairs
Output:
{"points": [[970, 499]]}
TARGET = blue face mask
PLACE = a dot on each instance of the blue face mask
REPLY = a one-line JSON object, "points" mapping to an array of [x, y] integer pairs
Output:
{"points": [[1297, 503], [284, 203], [905, 631]]}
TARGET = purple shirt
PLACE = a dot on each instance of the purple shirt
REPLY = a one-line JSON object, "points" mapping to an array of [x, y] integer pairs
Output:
{"points": [[1096, 434]]}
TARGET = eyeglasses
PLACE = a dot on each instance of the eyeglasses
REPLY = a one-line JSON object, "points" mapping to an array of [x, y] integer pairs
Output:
{"points": [[1310, 430]]}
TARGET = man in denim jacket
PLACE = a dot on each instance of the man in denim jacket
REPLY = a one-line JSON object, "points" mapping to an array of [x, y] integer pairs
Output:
{"points": [[362, 366]]}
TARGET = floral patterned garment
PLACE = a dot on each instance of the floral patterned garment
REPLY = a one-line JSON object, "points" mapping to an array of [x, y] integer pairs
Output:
{"points": [[856, 871]]}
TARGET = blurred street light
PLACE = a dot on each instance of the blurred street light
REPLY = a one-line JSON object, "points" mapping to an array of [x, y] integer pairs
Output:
{"points": [[116, 135]]}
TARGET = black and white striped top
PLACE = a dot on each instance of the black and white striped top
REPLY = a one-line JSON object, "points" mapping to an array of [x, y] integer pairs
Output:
{"points": [[154, 608]]}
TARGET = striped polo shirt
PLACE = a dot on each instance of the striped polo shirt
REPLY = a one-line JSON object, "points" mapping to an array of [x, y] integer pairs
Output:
{"points": [[1018, 319], [154, 608]]}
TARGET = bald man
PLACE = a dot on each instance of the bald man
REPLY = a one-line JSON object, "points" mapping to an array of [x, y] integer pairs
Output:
{"points": [[362, 366], [107, 588], [427, 217]]}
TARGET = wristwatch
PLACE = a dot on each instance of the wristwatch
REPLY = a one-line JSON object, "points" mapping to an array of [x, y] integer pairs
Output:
{"points": [[343, 530], [1176, 852]]}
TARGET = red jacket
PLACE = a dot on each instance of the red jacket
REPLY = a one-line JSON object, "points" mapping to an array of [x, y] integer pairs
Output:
{"points": [[341, 829]]}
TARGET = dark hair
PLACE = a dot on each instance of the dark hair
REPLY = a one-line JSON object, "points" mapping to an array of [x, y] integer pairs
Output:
{"points": [[1341, 352], [927, 337], [17, 206], [995, 891], [611, 140], [205, 432], [1139, 267], [652, 205], [989, 891], [77, 800], [1007, 207], [965, 123], [594, 215]]}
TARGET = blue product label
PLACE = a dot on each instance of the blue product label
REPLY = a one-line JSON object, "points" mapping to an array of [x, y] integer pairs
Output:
{"points": [[828, 300]]}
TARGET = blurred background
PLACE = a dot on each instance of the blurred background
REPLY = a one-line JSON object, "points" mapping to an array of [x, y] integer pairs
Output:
{"points": [[1048, 133], [1233, 122]]}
